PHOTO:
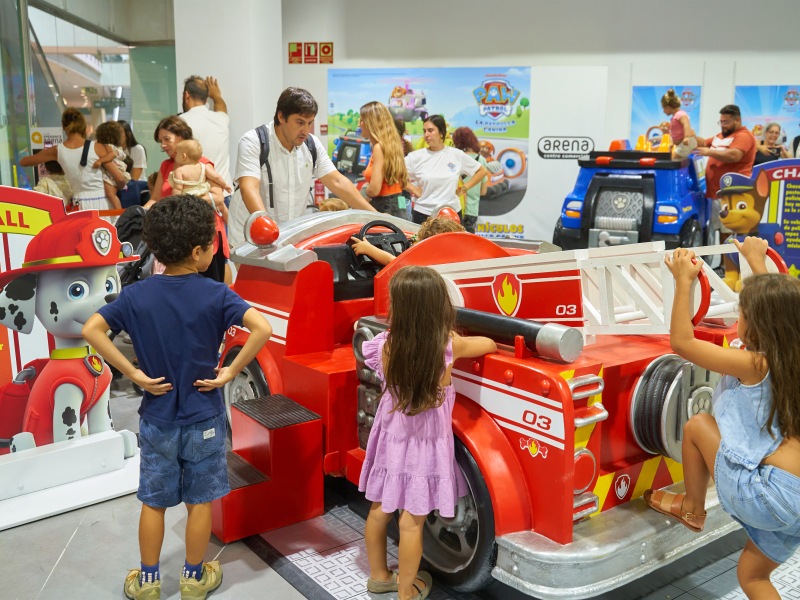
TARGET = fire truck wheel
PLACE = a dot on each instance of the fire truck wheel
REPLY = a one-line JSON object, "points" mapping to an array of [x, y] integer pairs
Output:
{"points": [[461, 551], [248, 384], [557, 233], [691, 234]]}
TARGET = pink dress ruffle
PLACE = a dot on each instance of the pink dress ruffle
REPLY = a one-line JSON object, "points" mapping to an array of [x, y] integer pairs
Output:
{"points": [[410, 462]]}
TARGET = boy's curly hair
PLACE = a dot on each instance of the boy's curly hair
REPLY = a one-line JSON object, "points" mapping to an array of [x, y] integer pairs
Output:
{"points": [[175, 225], [436, 225]]}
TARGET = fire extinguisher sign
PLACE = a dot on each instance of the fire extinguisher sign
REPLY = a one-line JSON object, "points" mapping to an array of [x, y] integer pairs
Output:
{"points": [[310, 55]]}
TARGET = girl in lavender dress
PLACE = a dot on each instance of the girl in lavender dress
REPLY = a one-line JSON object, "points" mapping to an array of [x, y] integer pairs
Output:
{"points": [[410, 462]]}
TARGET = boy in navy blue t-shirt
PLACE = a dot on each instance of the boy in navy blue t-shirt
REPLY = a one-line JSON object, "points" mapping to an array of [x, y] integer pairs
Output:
{"points": [[177, 321]]}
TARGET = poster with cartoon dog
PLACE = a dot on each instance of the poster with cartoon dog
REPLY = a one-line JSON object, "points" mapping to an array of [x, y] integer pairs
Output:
{"points": [[766, 204], [68, 272]]}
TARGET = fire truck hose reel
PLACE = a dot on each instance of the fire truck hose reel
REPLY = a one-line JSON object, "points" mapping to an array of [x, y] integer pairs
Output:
{"points": [[549, 340], [670, 391]]}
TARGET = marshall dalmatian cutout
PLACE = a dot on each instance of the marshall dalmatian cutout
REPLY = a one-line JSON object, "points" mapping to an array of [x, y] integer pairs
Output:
{"points": [[69, 272]]}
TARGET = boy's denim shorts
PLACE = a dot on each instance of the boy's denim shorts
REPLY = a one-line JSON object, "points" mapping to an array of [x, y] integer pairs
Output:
{"points": [[765, 501], [183, 464]]}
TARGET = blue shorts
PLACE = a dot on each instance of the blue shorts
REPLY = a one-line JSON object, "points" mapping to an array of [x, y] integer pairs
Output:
{"points": [[183, 464], [765, 501]]}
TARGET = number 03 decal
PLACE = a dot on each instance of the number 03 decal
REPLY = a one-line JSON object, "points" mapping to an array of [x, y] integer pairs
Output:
{"points": [[538, 421], [566, 309]]}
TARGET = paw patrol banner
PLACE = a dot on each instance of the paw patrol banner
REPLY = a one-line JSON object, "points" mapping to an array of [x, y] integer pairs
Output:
{"points": [[561, 109], [763, 104], [647, 115], [779, 208]]}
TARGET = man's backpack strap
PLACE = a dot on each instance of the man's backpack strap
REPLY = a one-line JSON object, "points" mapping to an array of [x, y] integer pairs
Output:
{"points": [[85, 154], [312, 147], [263, 138]]}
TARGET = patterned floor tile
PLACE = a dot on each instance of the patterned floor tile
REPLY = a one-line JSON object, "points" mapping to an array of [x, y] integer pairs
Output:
{"points": [[310, 537], [705, 574], [348, 516], [341, 571], [789, 572], [669, 592], [723, 586]]}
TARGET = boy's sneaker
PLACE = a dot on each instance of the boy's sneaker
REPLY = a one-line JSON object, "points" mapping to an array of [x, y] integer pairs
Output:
{"points": [[136, 591], [211, 579]]}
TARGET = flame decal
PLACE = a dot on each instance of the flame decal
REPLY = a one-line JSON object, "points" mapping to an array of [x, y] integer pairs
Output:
{"points": [[508, 299]]}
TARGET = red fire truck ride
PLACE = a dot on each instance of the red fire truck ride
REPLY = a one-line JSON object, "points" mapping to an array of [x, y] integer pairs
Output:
{"points": [[558, 433]]}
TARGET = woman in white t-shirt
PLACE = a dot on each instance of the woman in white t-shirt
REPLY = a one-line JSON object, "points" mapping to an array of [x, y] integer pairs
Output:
{"points": [[437, 170], [137, 153]]}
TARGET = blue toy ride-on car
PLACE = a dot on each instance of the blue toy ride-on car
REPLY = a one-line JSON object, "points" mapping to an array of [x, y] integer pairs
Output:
{"points": [[628, 197], [351, 152]]}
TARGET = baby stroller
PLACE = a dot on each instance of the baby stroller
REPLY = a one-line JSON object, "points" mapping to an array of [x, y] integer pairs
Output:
{"points": [[129, 229]]}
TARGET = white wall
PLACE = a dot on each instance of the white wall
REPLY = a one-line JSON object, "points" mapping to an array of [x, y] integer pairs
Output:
{"points": [[239, 43], [714, 43]]}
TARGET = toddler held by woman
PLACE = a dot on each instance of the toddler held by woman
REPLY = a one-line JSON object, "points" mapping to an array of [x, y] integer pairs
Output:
{"points": [[112, 135]]}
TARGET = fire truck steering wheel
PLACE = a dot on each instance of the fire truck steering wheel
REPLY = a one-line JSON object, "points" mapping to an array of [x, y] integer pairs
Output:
{"points": [[388, 242]]}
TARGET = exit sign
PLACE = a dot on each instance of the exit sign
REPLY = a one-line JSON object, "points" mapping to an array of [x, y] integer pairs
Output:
{"points": [[88, 90], [109, 102]]}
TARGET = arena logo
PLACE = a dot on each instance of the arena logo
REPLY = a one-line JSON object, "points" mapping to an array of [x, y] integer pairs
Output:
{"points": [[560, 147], [495, 98]]}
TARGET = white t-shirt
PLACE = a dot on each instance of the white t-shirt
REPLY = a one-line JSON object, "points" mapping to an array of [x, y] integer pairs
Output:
{"points": [[211, 130], [293, 174], [437, 173], [139, 159]]}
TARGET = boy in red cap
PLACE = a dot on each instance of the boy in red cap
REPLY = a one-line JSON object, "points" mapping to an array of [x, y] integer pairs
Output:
{"points": [[177, 321]]}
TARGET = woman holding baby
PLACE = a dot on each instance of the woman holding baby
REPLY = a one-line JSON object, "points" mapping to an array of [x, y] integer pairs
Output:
{"points": [[190, 178]]}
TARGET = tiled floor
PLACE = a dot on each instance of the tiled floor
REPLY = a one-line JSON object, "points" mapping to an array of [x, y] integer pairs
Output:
{"points": [[85, 554]]}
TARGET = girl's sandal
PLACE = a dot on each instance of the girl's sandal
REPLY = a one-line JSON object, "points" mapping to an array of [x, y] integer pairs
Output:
{"points": [[671, 505], [383, 587]]}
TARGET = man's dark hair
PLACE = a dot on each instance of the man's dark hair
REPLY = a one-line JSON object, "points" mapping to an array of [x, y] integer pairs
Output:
{"points": [[196, 88], [175, 225], [295, 101], [731, 110]]}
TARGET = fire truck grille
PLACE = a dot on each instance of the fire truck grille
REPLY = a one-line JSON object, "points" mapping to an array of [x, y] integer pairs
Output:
{"points": [[620, 204], [615, 223]]}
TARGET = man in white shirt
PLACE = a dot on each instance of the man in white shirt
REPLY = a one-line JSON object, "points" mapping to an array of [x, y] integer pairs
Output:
{"points": [[210, 128], [291, 164]]}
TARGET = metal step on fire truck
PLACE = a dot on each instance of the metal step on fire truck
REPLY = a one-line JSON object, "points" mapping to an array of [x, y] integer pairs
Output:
{"points": [[558, 433]]}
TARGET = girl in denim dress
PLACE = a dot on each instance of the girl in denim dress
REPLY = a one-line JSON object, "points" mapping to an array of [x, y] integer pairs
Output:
{"points": [[410, 461], [752, 448]]}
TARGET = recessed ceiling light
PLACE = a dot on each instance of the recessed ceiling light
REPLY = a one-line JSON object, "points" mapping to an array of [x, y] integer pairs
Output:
{"points": [[152, 61]]}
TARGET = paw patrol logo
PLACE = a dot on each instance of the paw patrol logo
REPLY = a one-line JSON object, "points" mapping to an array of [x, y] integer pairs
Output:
{"points": [[791, 100], [101, 238], [727, 180], [687, 99], [495, 98], [620, 202]]}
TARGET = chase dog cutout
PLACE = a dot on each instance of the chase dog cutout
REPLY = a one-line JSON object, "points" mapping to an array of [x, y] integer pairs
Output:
{"points": [[742, 202]]}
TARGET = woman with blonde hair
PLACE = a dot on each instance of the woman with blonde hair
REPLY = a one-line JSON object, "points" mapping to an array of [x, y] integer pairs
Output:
{"points": [[386, 172]]}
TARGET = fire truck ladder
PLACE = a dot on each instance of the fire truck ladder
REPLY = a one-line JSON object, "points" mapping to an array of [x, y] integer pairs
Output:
{"points": [[629, 290]]}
